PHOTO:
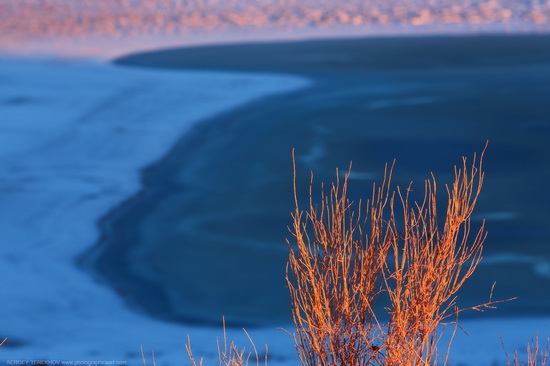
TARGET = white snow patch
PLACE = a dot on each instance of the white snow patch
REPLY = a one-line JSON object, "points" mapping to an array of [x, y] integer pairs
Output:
{"points": [[73, 138]]}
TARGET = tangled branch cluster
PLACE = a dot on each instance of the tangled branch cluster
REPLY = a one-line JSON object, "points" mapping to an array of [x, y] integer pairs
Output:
{"points": [[342, 263]]}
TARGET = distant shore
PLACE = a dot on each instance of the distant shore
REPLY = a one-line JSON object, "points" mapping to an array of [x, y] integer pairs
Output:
{"points": [[108, 47]]}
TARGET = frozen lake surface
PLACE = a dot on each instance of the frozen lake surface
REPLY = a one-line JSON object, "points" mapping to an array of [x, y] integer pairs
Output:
{"points": [[217, 206]]}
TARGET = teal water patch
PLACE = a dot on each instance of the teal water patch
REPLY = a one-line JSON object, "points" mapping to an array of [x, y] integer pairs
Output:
{"points": [[206, 236]]}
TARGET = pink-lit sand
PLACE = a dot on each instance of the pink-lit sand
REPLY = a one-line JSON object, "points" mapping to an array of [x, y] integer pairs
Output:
{"points": [[104, 28]]}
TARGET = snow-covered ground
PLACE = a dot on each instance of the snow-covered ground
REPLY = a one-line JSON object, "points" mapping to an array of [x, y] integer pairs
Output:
{"points": [[73, 138]]}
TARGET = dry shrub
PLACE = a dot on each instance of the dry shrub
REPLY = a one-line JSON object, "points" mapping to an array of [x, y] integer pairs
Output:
{"points": [[230, 355], [341, 263], [536, 356], [336, 275]]}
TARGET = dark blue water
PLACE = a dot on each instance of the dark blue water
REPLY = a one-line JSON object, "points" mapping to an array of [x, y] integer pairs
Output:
{"points": [[206, 236]]}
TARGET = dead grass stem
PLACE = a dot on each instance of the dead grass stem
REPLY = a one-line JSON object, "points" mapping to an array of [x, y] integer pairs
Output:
{"points": [[536, 355], [229, 355]]}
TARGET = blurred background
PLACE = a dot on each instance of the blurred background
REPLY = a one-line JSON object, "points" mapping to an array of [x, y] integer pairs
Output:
{"points": [[145, 157]]}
